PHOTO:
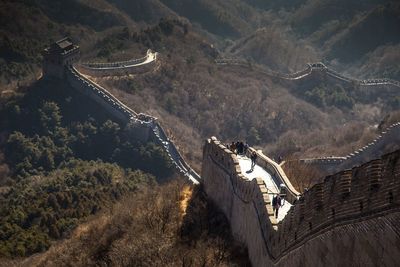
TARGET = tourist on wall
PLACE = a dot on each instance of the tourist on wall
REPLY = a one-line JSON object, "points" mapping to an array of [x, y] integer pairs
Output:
{"points": [[276, 204], [245, 148], [253, 158], [240, 148], [233, 147]]}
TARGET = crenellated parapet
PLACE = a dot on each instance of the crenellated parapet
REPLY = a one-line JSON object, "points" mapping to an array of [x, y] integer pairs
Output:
{"points": [[142, 127], [100, 95], [370, 151], [313, 69], [246, 203], [365, 191], [133, 66], [362, 194], [277, 173], [58, 56], [59, 61]]}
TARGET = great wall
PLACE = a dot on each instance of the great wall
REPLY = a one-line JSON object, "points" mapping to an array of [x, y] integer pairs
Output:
{"points": [[133, 66], [390, 135], [351, 218], [59, 60], [310, 70]]}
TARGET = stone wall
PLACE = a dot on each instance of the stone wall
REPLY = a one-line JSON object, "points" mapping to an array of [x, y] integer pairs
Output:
{"points": [[316, 69], [59, 63], [344, 205], [116, 109], [57, 56], [139, 127], [245, 203], [276, 172], [373, 150], [134, 66]]}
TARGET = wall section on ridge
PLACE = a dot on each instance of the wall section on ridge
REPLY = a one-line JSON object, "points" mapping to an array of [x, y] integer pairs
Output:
{"points": [[139, 127], [134, 66], [245, 203], [390, 135], [333, 215]]}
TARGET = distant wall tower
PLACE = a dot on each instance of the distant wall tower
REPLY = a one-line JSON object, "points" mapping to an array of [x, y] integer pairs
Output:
{"points": [[59, 55]]}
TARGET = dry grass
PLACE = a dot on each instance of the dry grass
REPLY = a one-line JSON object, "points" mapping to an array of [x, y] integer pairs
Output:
{"points": [[301, 176], [196, 99], [170, 225]]}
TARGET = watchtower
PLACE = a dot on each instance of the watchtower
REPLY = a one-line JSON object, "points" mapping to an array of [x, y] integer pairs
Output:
{"points": [[59, 55]]}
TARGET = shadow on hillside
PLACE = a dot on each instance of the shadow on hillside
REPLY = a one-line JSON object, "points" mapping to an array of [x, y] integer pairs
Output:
{"points": [[203, 220]]}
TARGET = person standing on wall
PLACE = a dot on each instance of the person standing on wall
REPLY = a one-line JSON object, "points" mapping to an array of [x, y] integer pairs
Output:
{"points": [[233, 147], [237, 145], [253, 158], [245, 148], [240, 148], [276, 204]]}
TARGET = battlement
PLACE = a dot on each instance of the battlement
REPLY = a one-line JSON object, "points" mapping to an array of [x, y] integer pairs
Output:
{"points": [[368, 190], [312, 69], [58, 56], [370, 151], [142, 127], [277, 173], [133, 66], [363, 193], [58, 61]]}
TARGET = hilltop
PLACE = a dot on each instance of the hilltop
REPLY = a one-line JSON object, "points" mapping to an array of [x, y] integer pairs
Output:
{"points": [[344, 33], [196, 98], [56, 145]]}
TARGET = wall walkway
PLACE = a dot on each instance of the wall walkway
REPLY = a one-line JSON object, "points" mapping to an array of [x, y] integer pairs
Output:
{"points": [[373, 150], [142, 127], [133, 66], [341, 207], [311, 69]]}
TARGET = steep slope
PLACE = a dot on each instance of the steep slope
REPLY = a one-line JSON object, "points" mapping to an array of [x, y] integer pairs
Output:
{"points": [[149, 11], [187, 77], [137, 230], [192, 96], [352, 34], [314, 15], [62, 159], [274, 48], [218, 17], [379, 27], [28, 26], [196, 98]]}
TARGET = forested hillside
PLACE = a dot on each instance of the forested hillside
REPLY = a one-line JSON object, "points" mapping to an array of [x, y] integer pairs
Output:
{"points": [[346, 34], [196, 98], [64, 162]]}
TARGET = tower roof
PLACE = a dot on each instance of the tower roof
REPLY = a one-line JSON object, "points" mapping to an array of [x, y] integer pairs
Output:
{"points": [[62, 46]]}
